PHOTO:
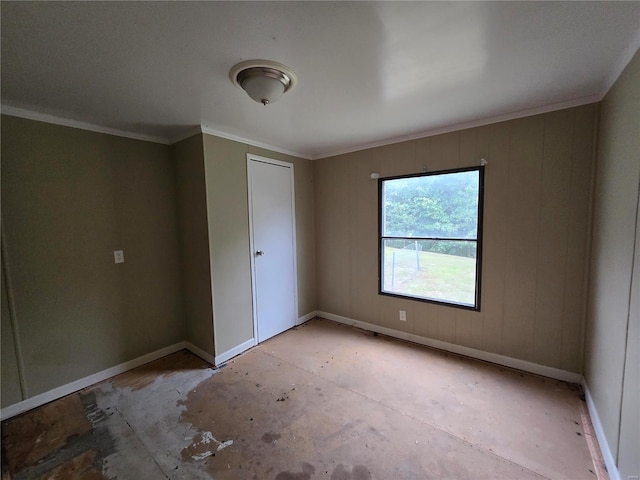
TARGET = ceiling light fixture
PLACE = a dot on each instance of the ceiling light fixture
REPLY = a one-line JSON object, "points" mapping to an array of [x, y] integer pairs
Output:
{"points": [[263, 80]]}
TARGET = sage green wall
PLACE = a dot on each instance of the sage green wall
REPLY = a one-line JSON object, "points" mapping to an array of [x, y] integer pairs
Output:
{"points": [[227, 209], [69, 199], [226, 179], [188, 158], [629, 446], [10, 392], [536, 225], [615, 245]]}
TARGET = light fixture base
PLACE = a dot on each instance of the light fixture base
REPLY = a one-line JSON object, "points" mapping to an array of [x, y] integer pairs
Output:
{"points": [[263, 80]]}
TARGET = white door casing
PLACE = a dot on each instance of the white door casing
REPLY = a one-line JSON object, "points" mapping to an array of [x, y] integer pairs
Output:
{"points": [[273, 246]]}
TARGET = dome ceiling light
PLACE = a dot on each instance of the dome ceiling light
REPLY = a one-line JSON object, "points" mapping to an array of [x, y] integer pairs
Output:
{"points": [[263, 80]]}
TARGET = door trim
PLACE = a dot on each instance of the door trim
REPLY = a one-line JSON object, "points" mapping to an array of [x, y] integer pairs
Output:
{"points": [[257, 158]]}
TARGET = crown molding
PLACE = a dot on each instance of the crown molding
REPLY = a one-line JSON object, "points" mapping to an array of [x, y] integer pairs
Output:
{"points": [[66, 122], [462, 126], [42, 117], [236, 138]]}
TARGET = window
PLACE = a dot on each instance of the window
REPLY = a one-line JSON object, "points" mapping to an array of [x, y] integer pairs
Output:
{"points": [[430, 236]]}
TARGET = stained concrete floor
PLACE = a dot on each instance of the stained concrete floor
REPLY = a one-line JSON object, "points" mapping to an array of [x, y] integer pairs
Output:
{"points": [[321, 401]]}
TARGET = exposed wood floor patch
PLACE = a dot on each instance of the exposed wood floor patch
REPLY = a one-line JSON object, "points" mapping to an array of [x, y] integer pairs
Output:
{"points": [[321, 401]]}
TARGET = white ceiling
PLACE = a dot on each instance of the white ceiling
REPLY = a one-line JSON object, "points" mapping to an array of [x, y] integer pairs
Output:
{"points": [[369, 72]]}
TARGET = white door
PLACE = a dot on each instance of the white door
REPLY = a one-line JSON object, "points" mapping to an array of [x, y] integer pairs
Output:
{"points": [[272, 230]]}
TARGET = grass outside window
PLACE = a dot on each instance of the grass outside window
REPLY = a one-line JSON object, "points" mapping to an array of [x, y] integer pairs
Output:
{"points": [[430, 236]]}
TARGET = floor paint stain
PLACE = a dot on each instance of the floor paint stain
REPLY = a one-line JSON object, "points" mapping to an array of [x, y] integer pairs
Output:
{"points": [[305, 474], [270, 437], [201, 456], [200, 448], [224, 445], [359, 472], [199, 406], [144, 376]]}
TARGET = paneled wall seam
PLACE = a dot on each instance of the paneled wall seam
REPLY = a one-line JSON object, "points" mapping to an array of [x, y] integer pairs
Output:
{"points": [[181, 246], [515, 185], [13, 318], [626, 340], [545, 125], [566, 245], [590, 234], [507, 241], [566, 263]]}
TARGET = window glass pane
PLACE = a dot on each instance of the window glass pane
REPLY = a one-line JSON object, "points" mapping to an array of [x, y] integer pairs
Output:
{"points": [[442, 270], [442, 206]]}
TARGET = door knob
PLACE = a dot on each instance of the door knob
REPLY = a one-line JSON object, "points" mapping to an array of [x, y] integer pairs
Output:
{"points": [[259, 253]]}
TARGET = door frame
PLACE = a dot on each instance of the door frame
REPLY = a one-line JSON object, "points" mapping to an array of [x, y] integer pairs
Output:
{"points": [[257, 158]]}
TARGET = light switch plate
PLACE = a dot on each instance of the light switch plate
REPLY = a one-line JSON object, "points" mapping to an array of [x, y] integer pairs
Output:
{"points": [[118, 256]]}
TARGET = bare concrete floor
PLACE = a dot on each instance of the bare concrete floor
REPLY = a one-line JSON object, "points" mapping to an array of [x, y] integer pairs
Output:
{"points": [[322, 401]]}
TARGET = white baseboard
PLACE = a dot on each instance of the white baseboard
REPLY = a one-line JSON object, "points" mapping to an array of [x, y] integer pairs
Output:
{"points": [[607, 455], [223, 357], [197, 351], [307, 317], [63, 390], [530, 367]]}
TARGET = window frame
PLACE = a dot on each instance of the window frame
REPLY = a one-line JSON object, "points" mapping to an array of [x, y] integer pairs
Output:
{"points": [[479, 238]]}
